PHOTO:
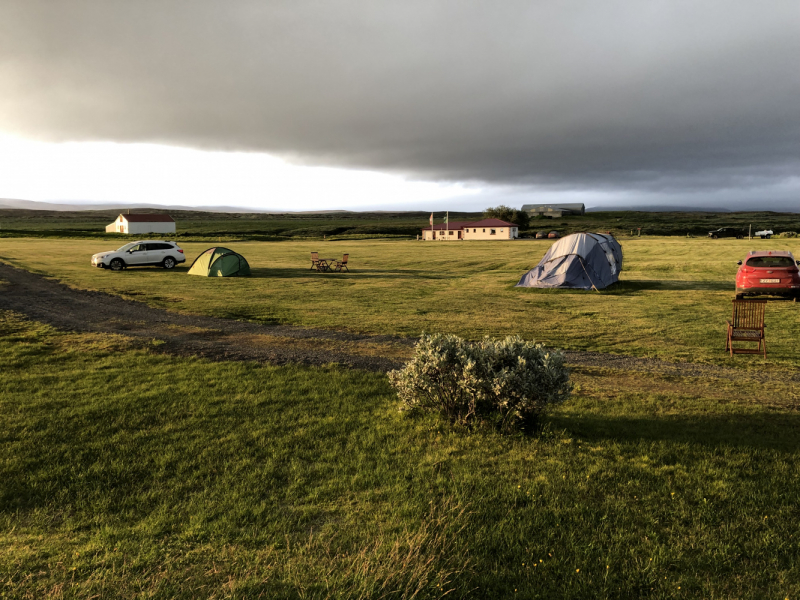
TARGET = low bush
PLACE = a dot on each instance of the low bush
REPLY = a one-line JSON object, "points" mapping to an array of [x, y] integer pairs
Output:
{"points": [[509, 383], [789, 234]]}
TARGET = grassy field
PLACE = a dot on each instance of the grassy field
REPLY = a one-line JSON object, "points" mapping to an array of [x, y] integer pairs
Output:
{"points": [[125, 473], [128, 475], [201, 225], [672, 301], [208, 226]]}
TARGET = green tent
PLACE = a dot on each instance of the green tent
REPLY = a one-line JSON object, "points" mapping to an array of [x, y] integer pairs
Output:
{"points": [[219, 262]]}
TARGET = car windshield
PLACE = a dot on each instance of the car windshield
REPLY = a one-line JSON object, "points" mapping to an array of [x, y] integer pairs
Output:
{"points": [[770, 261], [126, 247]]}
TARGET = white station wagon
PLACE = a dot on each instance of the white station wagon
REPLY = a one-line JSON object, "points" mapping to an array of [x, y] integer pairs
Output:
{"points": [[139, 254]]}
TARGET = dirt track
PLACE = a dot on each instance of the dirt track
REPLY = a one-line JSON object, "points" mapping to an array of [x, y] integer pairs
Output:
{"points": [[48, 301]]}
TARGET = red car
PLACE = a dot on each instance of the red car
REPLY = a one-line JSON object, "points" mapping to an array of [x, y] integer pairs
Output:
{"points": [[768, 272]]}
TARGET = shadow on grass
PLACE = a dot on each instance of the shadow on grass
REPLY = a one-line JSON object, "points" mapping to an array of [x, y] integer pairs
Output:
{"points": [[633, 287], [300, 273], [354, 273], [637, 285], [778, 431]]}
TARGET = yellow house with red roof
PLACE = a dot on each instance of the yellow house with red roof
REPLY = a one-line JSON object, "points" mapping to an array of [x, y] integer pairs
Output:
{"points": [[486, 229]]}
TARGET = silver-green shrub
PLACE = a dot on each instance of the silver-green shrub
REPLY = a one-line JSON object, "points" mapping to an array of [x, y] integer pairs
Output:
{"points": [[788, 234], [510, 383]]}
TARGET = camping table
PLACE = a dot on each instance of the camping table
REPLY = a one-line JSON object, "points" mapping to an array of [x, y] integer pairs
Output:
{"points": [[325, 264]]}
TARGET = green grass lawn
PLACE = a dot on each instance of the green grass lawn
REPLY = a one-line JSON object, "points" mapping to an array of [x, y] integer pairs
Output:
{"points": [[129, 474], [672, 301]]}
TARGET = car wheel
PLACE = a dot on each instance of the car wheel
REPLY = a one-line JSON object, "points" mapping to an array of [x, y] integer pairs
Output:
{"points": [[169, 262], [117, 264], [714, 237], [768, 236]]}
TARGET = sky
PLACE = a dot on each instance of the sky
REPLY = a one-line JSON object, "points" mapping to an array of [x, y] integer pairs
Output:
{"points": [[412, 105]]}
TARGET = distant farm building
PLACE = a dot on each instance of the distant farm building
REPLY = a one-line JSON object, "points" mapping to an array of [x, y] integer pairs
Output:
{"points": [[147, 223], [554, 210], [487, 229]]}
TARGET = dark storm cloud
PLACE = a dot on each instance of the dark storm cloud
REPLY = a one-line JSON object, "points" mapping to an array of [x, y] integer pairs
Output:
{"points": [[660, 96]]}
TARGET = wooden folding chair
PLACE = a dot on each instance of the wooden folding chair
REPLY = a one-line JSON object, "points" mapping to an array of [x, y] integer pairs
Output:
{"points": [[342, 264], [315, 261], [747, 325]]}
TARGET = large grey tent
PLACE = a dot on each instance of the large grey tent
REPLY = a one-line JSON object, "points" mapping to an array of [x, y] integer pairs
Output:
{"points": [[582, 261]]}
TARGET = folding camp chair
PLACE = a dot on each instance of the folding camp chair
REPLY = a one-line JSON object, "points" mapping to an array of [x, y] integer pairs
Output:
{"points": [[342, 264], [315, 261], [747, 325]]}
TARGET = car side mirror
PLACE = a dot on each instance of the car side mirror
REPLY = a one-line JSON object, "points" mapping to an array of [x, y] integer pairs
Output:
{"points": [[797, 262], [738, 262]]}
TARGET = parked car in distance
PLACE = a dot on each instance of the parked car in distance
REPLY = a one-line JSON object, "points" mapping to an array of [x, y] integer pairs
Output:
{"points": [[553, 235], [724, 232], [540, 235], [139, 254], [764, 235], [772, 272]]}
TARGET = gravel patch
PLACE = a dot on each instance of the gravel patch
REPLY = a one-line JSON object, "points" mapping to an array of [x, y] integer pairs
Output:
{"points": [[48, 301]]}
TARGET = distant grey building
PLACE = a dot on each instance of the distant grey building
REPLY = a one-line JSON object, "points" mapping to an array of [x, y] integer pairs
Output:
{"points": [[555, 210]]}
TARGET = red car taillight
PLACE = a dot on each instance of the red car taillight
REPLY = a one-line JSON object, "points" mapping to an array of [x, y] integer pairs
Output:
{"points": [[179, 250]]}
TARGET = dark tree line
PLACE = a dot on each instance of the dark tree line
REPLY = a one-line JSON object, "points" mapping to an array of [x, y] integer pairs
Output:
{"points": [[511, 215]]}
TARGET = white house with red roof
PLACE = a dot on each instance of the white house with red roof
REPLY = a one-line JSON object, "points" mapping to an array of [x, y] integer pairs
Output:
{"points": [[486, 229], [142, 223]]}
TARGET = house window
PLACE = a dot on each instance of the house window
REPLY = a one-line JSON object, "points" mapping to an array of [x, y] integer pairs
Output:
{"points": [[491, 232], [449, 233], [484, 231]]}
